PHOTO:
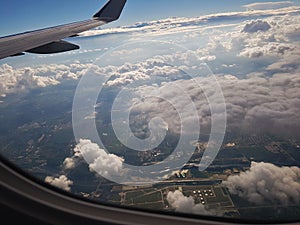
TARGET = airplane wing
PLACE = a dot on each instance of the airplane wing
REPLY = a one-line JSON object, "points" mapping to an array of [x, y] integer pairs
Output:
{"points": [[49, 40]]}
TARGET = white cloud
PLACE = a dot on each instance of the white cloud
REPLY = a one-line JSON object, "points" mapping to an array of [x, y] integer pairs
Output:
{"points": [[289, 63], [61, 182], [255, 26], [269, 49], [208, 58], [185, 204], [14, 80], [69, 163], [265, 182], [104, 164], [271, 37], [130, 72], [268, 5]]}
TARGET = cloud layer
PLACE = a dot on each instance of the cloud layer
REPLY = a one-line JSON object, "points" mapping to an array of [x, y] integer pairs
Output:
{"points": [[256, 104], [268, 5], [182, 25]]}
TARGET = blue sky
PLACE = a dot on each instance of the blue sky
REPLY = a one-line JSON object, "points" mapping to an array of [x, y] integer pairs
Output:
{"points": [[18, 16]]}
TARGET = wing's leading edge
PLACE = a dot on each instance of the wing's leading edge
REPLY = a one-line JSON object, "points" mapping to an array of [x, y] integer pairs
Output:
{"points": [[49, 40]]}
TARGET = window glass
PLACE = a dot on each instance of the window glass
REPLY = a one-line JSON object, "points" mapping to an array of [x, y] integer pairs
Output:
{"points": [[179, 106]]}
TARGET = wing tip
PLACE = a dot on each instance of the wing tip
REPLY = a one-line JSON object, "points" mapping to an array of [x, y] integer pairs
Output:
{"points": [[111, 11]]}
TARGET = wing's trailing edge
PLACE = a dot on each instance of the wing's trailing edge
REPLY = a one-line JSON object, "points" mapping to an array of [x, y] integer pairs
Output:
{"points": [[49, 40]]}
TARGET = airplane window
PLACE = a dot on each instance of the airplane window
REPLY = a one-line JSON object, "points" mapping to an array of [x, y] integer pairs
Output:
{"points": [[183, 107]]}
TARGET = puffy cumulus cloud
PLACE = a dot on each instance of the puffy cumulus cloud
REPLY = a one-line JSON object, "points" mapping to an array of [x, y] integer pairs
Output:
{"points": [[69, 163], [274, 36], [184, 204], [265, 182], [268, 5], [13, 80], [256, 26], [269, 49], [131, 72], [61, 182], [99, 160]]}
